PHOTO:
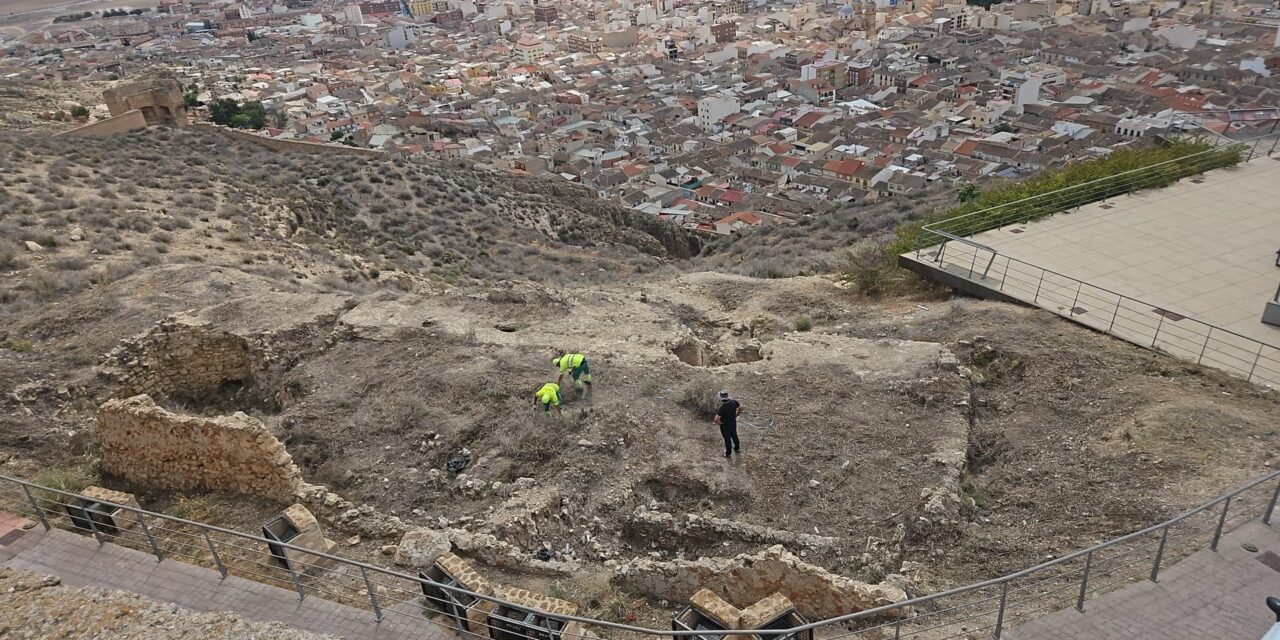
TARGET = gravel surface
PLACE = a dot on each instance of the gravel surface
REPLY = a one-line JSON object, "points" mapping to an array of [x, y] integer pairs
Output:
{"points": [[37, 606]]}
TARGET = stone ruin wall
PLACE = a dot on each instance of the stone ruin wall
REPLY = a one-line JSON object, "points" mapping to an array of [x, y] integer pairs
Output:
{"points": [[181, 355], [151, 447], [816, 592], [291, 146]]}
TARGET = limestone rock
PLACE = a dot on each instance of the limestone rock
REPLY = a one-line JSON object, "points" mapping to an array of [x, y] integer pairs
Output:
{"points": [[419, 548], [33, 246]]}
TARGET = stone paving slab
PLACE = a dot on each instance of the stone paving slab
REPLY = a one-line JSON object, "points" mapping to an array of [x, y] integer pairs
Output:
{"points": [[1207, 596], [1206, 249], [79, 561]]}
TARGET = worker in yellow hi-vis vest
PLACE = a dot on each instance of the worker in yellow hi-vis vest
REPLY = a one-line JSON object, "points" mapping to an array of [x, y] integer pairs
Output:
{"points": [[548, 396], [575, 365]]}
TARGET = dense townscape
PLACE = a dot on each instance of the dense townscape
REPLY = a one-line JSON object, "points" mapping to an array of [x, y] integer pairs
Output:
{"points": [[719, 115]]}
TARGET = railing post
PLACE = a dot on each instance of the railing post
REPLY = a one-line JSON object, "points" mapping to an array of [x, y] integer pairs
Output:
{"points": [[1156, 338], [88, 515], [1255, 362], [217, 559], [35, 504], [897, 629], [293, 575], [1155, 568], [1115, 313], [1079, 284], [1084, 582], [1004, 596], [1222, 519], [974, 264], [1271, 506], [1036, 299], [142, 520], [1206, 344], [373, 596]]}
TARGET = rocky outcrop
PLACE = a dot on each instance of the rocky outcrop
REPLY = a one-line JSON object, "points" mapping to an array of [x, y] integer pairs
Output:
{"points": [[816, 592], [419, 548]]}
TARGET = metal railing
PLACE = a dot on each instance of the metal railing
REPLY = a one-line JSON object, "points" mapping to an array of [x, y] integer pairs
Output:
{"points": [[1097, 307], [984, 608], [1125, 317], [1073, 197]]}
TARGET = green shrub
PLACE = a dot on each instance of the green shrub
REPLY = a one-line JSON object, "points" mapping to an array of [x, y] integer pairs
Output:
{"points": [[803, 323]]}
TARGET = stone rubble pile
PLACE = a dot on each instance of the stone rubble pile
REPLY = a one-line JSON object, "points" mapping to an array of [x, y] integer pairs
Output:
{"points": [[816, 592]]}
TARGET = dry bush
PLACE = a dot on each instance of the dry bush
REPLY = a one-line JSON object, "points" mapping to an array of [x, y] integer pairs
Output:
{"points": [[69, 263], [47, 285], [10, 255], [700, 395]]}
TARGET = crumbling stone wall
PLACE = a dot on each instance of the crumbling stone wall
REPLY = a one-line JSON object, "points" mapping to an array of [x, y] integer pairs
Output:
{"points": [[159, 100], [123, 123], [292, 146], [746, 579], [182, 354], [151, 447], [646, 524]]}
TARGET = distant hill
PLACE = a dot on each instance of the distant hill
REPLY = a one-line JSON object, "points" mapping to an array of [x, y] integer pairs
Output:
{"points": [[175, 195]]}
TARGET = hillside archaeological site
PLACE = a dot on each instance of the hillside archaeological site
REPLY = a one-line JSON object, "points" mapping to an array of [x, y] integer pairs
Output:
{"points": [[225, 332]]}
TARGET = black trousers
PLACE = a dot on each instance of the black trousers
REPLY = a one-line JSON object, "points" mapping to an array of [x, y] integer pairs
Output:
{"points": [[730, 434]]}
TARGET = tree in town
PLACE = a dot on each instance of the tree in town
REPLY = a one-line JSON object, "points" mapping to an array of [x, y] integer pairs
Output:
{"points": [[255, 115], [222, 110], [228, 112], [967, 193]]}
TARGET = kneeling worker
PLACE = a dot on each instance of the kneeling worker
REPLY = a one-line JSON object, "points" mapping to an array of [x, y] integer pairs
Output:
{"points": [[548, 396], [574, 364]]}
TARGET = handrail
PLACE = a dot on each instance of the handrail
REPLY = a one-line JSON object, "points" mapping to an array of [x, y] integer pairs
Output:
{"points": [[935, 227], [1180, 121], [851, 617], [1064, 276]]}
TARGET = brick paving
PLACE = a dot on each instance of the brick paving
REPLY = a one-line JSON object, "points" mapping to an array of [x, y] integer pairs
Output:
{"points": [[79, 561], [1207, 596]]}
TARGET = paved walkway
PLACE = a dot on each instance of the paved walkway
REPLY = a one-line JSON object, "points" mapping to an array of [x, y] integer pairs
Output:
{"points": [[1208, 596], [79, 561]]}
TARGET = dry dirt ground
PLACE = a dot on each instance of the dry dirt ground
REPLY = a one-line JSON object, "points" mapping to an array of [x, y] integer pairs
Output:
{"points": [[39, 607], [19, 17], [23, 104], [1068, 436]]}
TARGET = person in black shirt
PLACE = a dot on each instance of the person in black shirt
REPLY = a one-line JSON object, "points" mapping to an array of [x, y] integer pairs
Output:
{"points": [[727, 420]]}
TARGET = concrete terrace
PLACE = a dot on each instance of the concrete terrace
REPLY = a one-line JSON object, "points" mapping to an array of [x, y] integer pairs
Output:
{"points": [[1201, 250], [1209, 595]]}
